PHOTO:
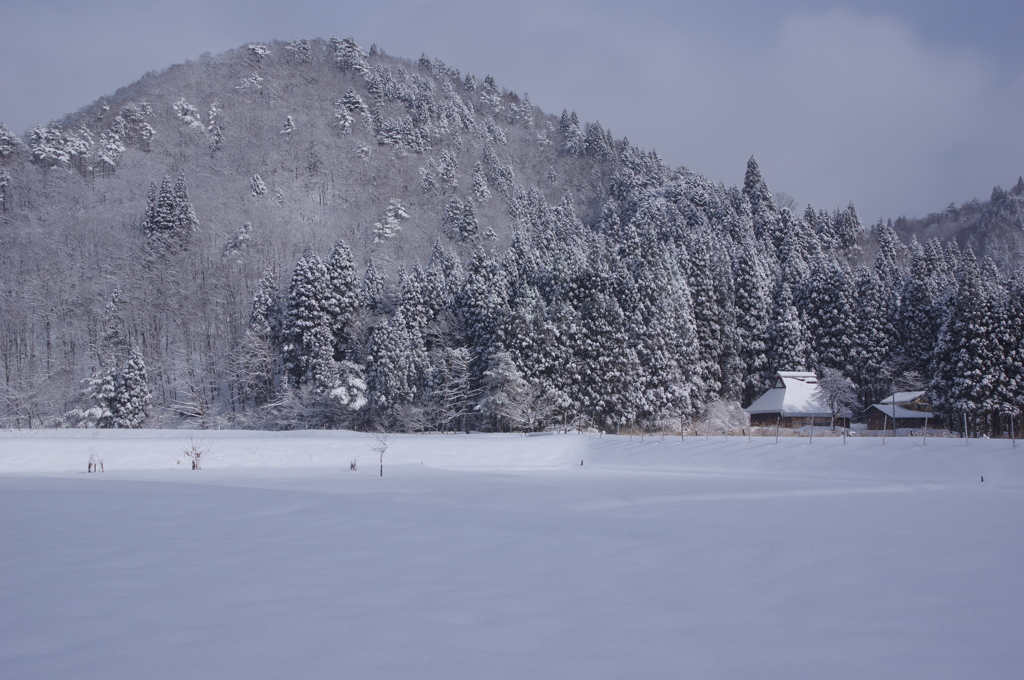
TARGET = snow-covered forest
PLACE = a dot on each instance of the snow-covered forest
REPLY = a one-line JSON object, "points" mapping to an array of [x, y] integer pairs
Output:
{"points": [[307, 234]]}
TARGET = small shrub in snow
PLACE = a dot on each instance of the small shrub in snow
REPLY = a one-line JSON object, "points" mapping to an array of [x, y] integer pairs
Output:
{"points": [[196, 452], [95, 463]]}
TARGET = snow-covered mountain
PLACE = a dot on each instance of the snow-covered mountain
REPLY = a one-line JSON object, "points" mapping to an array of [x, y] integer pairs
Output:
{"points": [[309, 233]]}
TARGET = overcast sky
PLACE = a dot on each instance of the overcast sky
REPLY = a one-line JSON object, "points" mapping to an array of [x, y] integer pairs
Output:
{"points": [[901, 107]]}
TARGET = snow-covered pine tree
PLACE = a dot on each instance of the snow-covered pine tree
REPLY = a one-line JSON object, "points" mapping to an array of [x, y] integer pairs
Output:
{"points": [[707, 314], [1011, 396], [609, 387], [343, 300], [827, 302], [788, 348], [483, 308], [919, 316], [301, 49], [793, 258], [184, 216], [847, 228], [348, 55], [115, 344], [392, 223], [9, 142], [258, 188], [574, 144], [767, 227], [99, 401], [870, 349], [481, 192], [460, 220], [159, 219], [131, 402], [967, 353], [338, 386], [387, 369], [308, 321], [371, 292], [752, 287], [170, 220]]}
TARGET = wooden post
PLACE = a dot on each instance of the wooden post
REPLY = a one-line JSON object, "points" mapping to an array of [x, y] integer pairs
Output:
{"points": [[777, 424], [885, 425], [923, 443], [894, 409], [965, 429]]}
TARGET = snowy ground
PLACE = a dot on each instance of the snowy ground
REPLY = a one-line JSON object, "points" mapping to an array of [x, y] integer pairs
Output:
{"points": [[499, 556]]}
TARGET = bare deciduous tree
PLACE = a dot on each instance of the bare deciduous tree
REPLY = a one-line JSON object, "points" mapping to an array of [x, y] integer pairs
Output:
{"points": [[383, 437], [196, 452], [836, 392]]}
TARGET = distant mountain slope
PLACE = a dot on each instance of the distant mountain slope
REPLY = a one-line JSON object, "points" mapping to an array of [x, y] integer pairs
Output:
{"points": [[329, 164], [993, 227], [307, 234]]}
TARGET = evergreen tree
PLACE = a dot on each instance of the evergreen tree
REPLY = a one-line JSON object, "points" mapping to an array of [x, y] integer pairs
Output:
{"points": [[575, 144], [767, 226], [887, 258], [460, 220], [793, 257], [160, 212], [483, 307], [919, 317], [847, 228], [131, 402], [387, 369], [828, 304], [184, 216], [99, 395], [9, 142], [348, 55], [1011, 394], [787, 341], [481, 192], [753, 311], [392, 222], [343, 299], [707, 314], [968, 354], [371, 293], [170, 220], [869, 352], [308, 321], [116, 345]]}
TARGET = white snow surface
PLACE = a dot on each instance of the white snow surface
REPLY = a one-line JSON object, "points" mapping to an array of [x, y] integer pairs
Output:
{"points": [[499, 556]]}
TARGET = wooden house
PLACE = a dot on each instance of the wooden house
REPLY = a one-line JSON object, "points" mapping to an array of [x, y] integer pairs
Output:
{"points": [[791, 401]]}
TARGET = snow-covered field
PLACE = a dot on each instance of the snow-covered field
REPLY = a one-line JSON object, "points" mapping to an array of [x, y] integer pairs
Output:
{"points": [[500, 556]]}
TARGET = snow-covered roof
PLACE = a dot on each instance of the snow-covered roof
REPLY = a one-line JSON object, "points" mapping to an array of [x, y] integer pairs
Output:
{"points": [[903, 397], [900, 411], [793, 395], [805, 376]]}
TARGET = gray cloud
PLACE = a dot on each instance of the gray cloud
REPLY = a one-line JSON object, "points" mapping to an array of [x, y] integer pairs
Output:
{"points": [[837, 105]]}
